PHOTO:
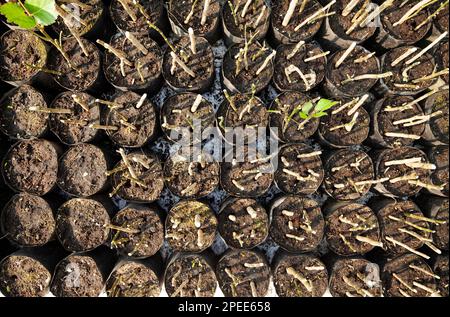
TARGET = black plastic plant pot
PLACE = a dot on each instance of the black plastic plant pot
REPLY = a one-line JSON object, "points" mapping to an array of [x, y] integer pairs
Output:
{"points": [[403, 226], [437, 208], [245, 18], [31, 166], [190, 226], [349, 174], [137, 231], [297, 224], [139, 68], [242, 111], [352, 76], [436, 130], [408, 78], [186, 111], [442, 55], [236, 266], [135, 278], [28, 220], [191, 178], [351, 228], [440, 176], [131, 120], [408, 276], [146, 10], [75, 126], [299, 67], [440, 21], [191, 14], [138, 179], [190, 275], [284, 117], [299, 275], [82, 170], [355, 277], [300, 169], [24, 67], [302, 25], [243, 223], [82, 224], [247, 70], [392, 32], [402, 171], [440, 268], [346, 125], [23, 113], [85, 18], [185, 70], [396, 121], [28, 272], [344, 27], [83, 274]]}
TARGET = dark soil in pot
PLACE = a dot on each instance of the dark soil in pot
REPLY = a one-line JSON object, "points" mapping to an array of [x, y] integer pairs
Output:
{"points": [[23, 113], [355, 277], [190, 275], [402, 171], [28, 220], [85, 71], [396, 121], [139, 179], [75, 127], [436, 131], [345, 126], [251, 76], [31, 166], [402, 275], [243, 223], [253, 14], [300, 276], [440, 268], [442, 58], [201, 73], [294, 29], [348, 174], [309, 59], [23, 56], [141, 68], [190, 226], [297, 223], [299, 169], [190, 14], [137, 231], [82, 224], [440, 176], [191, 179], [243, 273], [186, 111], [82, 170], [132, 121], [441, 19], [437, 208], [345, 79]]}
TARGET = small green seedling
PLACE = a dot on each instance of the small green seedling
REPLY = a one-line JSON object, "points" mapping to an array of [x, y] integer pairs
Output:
{"points": [[318, 110], [30, 14]]}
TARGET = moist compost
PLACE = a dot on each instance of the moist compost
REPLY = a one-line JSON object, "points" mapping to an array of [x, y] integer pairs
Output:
{"points": [[149, 183], [442, 57], [437, 127], [190, 226], [76, 127], [82, 224], [348, 174], [137, 232], [31, 166], [440, 176], [438, 210], [190, 275], [355, 277], [297, 223], [440, 268], [243, 273], [441, 19], [23, 114], [299, 169], [300, 276], [243, 223], [28, 220]]}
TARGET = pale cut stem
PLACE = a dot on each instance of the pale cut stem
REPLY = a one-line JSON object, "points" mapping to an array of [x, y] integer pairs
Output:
{"points": [[313, 16], [402, 135], [136, 42], [364, 59], [426, 219], [196, 103], [64, 15], [266, 62], [80, 102], [294, 69], [377, 12], [425, 288], [404, 161], [417, 268], [369, 241], [289, 12], [191, 13], [104, 127], [246, 6], [127, 163], [415, 235], [205, 12], [295, 50], [192, 39], [410, 104], [368, 76], [347, 126], [398, 278], [316, 56], [358, 18], [404, 56], [182, 64], [433, 247], [109, 104], [72, 15], [50, 110], [258, 20], [409, 223], [127, 9], [349, 7], [306, 155], [302, 6], [306, 283], [432, 16], [291, 236], [370, 182], [396, 242], [434, 75], [116, 52], [347, 52], [141, 101], [360, 102], [403, 178], [425, 166], [414, 10], [425, 185], [427, 48]]}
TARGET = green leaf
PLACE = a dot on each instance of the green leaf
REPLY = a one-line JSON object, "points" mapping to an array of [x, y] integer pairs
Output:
{"points": [[306, 108], [303, 115], [16, 15], [43, 11], [324, 105], [319, 114]]}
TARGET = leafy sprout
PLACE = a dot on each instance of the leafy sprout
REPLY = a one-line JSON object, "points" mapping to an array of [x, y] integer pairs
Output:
{"points": [[30, 13], [308, 110]]}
